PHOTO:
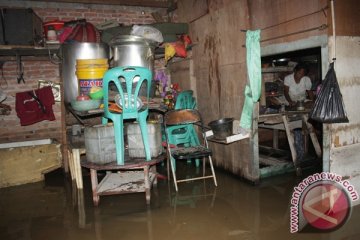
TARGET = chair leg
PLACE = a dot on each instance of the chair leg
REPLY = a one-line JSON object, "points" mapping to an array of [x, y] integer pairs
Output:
{"points": [[168, 165], [104, 121], [173, 172], [195, 142], [197, 162], [119, 143], [212, 170], [144, 135], [204, 164]]}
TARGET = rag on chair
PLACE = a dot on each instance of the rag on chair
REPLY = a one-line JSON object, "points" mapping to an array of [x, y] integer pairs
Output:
{"points": [[253, 86], [35, 106]]}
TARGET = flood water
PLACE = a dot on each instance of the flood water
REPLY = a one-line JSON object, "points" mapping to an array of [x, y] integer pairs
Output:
{"points": [[54, 209]]}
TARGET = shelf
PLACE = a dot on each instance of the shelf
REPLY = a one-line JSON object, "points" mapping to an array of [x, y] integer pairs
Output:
{"points": [[124, 182], [277, 69], [230, 139], [14, 50]]}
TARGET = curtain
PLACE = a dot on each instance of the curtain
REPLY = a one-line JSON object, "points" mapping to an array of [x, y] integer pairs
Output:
{"points": [[253, 87]]}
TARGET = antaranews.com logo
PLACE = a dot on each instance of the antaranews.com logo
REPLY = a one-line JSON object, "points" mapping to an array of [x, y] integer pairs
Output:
{"points": [[323, 201]]}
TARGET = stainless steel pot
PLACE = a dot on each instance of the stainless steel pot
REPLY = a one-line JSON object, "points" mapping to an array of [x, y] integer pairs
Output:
{"points": [[127, 50], [72, 51]]}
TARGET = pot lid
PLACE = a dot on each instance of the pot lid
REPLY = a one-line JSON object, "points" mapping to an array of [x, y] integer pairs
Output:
{"points": [[131, 39]]}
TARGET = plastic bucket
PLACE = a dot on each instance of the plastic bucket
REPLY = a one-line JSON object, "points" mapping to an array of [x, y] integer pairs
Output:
{"points": [[90, 72]]}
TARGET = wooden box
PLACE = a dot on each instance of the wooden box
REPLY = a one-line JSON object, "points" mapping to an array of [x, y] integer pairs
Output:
{"points": [[28, 164]]}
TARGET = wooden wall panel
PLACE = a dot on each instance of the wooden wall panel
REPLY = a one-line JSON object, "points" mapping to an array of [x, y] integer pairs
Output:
{"points": [[219, 58], [268, 13], [347, 18], [191, 10], [180, 73], [220, 73]]}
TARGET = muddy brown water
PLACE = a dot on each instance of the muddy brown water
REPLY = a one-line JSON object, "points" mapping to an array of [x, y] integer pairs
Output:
{"points": [[54, 209]]}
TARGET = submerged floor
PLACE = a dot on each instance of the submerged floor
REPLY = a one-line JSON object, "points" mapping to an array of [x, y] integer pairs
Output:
{"points": [[234, 210]]}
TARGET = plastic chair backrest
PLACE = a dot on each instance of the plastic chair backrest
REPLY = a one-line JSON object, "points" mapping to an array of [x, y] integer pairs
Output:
{"points": [[185, 100], [131, 78], [184, 118]]}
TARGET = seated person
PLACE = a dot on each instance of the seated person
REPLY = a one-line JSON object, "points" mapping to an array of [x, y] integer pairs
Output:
{"points": [[297, 84]]}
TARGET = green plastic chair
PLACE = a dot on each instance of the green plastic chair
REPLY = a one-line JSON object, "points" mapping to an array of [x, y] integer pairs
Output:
{"points": [[185, 100], [131, 78], [177, 134], [179, 150]]}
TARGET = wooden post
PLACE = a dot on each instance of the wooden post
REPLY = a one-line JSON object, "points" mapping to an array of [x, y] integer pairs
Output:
{"points": [[290, 138], [94, 184], [254, 163], [276, 138], [312, 135]]}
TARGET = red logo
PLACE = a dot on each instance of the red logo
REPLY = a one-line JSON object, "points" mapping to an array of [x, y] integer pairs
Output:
{"points": [[326, 206]]}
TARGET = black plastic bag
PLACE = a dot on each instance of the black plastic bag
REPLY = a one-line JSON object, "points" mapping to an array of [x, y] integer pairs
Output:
{"points": [[329, 105]]}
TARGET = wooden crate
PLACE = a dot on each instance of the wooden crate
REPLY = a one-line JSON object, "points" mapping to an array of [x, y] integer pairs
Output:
{"points": [[22, 165]]}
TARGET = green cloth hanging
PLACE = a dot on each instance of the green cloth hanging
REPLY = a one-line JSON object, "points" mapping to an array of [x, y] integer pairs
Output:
{"points": [[253, 87]]}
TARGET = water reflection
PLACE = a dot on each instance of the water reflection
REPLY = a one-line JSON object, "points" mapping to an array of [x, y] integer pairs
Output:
{"points": [[55, 209]]}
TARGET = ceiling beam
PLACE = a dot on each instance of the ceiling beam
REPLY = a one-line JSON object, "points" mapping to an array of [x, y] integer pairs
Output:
{"points": [[139, 3]]}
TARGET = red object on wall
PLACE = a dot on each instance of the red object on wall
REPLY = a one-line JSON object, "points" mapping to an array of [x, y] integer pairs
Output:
{"points": [[186, 39], [84, 32], [56, 24], [180, 49], [35, 106]]}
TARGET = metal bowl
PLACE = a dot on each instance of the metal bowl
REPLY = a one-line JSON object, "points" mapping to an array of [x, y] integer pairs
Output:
{"points": [[85, 105], [281, 61], [222, 128]]}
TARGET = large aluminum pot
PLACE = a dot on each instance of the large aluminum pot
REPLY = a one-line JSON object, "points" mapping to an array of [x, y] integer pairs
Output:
{"points": [[72, 51], [130, 50]]}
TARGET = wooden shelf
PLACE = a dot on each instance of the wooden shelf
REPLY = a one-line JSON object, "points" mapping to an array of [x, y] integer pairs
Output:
{"points": [[277, 69], [229, 139], [123, 182], [14, 50]]}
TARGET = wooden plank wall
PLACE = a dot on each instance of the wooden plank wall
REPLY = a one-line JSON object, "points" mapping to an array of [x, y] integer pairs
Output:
{"points": [[270, 13], [220, 70], [219, 58], [347, 18], [180, 73], [348, 74], [345, 137]]}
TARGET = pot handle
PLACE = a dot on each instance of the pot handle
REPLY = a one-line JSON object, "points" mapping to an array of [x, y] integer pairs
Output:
{"points": [[149, 55], [111, 57]]}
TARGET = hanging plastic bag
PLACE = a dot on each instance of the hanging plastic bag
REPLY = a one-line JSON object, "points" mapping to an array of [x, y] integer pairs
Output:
{"points": [[147, 32], [180, 49], [169, 52], [83, 32], [329, 106]]}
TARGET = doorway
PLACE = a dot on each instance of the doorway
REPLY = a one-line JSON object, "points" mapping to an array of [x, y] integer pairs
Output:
{"points": [[278, 60]]}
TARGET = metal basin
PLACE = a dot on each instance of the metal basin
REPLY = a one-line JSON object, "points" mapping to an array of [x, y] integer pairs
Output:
{"points": [[222, 128]]}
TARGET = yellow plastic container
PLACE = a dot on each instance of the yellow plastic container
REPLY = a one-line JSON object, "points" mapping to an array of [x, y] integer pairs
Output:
{"points": [[90, 72]]}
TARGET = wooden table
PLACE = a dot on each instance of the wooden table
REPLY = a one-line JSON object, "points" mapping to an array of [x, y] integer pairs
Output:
{"points": [[136, 175], [288, 121]]}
